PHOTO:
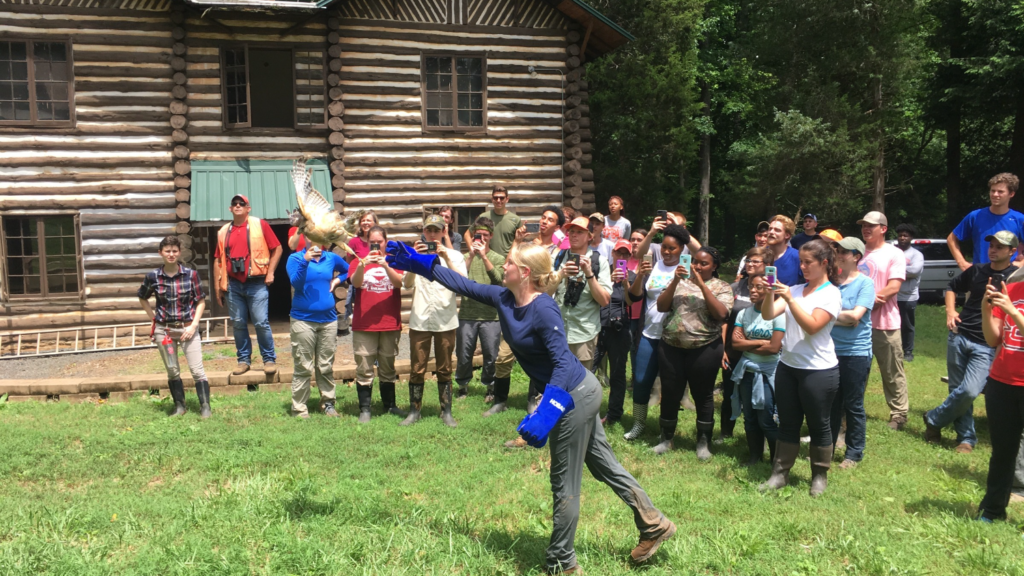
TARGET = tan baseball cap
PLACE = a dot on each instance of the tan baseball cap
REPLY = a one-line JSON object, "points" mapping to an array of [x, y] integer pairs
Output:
{"points": [[1004, 237], [434, 220], [874, 217]]}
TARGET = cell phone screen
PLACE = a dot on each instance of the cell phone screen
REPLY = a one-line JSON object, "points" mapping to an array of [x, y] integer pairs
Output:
{"points": [[375, 247], [533, 228], [997, 281]]}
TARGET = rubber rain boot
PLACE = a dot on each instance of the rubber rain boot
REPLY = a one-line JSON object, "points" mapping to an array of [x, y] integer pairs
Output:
{"points": [[387, 398], [415, 404], [203, 391], [444, 396], [639, 422], [177, 388], [785, 457], [365, 394], [668, 430], [704, 430], [501, 387], [821, 461]]}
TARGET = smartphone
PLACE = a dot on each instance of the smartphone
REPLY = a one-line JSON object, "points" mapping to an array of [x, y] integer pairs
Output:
{"points": [[649, 258], [663, 214], [770, 275], [621, 265], [374, 246], [478, 238], [431, 247], [685, 261], [533, 228], [997, 281], [575, 259]]}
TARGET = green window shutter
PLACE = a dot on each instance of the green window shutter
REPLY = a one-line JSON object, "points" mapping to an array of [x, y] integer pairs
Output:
{"points": [[267, 184]]}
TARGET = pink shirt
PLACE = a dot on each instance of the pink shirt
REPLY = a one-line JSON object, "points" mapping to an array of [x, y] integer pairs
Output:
{"points": [[881, 265]]}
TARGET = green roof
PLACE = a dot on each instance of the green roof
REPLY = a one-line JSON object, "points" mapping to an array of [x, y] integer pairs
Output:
{"points": [[607, 21], [267, 184]]}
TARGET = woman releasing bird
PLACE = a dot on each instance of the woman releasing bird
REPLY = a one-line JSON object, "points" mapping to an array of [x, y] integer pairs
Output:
{"points": [[315, 218]]}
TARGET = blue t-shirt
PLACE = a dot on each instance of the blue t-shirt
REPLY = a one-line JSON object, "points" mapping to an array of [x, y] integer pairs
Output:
{"points": [[855, 340], [981, 223], [755, 327], [313, 300], [788, 268]]}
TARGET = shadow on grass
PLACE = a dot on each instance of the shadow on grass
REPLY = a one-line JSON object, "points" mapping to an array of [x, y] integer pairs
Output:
{"points": [[933, 507], [964, 471], [302, 506]]}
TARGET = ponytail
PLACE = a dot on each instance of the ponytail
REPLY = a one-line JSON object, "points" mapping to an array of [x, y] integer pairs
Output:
{"points": [[824, 252]]}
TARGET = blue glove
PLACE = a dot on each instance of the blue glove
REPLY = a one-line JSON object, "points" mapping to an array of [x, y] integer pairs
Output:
{"points": [[536, 427], [403, 257]]}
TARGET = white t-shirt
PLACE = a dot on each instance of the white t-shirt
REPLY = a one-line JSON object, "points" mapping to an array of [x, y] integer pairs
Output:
{"points": [[811, 352], [655, 250], [434, 306], [615, 230], [661, 276], [605, 249]]}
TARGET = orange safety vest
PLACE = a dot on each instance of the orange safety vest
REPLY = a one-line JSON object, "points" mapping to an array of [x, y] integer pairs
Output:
{"points": [[259, 253]]}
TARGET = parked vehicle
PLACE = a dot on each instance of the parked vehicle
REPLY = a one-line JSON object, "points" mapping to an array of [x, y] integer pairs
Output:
{"points": [[939, 268]]}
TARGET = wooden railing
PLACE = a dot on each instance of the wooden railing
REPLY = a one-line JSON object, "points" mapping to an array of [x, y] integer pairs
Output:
{"points": [[97, 338]]}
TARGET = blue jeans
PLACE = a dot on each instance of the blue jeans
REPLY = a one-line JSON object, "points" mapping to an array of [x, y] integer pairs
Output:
{"points": [[853, 379], [758, 422], [250, 300], [645, 369], [967, 363]]}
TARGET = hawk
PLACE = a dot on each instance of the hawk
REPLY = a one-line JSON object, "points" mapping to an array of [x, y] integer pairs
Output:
{"points": [[316, 218]]}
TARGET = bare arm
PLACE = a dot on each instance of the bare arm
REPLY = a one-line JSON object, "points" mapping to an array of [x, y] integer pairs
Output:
{"points": [[770, 346], [954, 247], [293, 241], [851, 317], [952, 316], [892, 288], [148, 308], [275, 257], [811, 323], [357, 276], [741, 344], [666, 296]]}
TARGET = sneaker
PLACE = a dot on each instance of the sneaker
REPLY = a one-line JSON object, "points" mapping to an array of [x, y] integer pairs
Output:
{"points": [[646, 548], [897, 423], [848, 464], [932, 434], [964, 448], [269, 368], [240, 369]]}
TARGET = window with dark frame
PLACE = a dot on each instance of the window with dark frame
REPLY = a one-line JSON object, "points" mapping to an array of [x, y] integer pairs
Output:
{"points": [[35, 83], [256, 95], [465, 216], [454, 92], [41, 256], [236, 87]]}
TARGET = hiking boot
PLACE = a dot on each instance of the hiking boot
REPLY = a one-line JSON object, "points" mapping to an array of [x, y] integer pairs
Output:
{"points": [[329, 409], [848, 464], [668, 431], [203, 391], [897, 423], [444, 397], [269, 368], [703, 439], [240, 369], [932, 434], [821, 461], [387, 399], [365, 394], [785, 457], [646, 548], [177, 388], [517, 443], [964, 448], [415, 405], [639, 422]]}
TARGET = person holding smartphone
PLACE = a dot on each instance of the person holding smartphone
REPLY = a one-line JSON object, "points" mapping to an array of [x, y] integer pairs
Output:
{"points": [[479, 321], [180, 303], [376, 325], [585, 287], [615, 339], [807, 378], [968, 354], [697, 303], [314, 325], [549, 231]]}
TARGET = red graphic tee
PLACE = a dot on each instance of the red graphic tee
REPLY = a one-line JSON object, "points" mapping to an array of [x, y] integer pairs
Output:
{"points": [[1008, 367], [377, 306]]}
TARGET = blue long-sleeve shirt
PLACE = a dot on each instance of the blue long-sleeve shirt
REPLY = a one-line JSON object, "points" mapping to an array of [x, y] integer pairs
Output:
{"points": [[535, 332], [313, 300]]}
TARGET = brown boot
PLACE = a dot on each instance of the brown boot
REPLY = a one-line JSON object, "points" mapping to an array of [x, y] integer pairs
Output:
{"points": [[932, 434], [240, 369], [269, 368], [821, 461], [646, 548], [785, 457], [517, 443]]}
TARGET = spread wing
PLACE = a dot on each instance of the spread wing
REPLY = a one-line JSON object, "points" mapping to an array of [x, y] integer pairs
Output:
{"points": [[312, 205]]}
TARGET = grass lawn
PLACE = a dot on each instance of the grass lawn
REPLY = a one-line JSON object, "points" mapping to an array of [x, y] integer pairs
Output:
{"points": [[122, 489]]}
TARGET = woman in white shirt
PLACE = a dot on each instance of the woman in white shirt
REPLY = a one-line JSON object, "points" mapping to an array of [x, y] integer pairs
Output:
{"points": [[807, 377]]}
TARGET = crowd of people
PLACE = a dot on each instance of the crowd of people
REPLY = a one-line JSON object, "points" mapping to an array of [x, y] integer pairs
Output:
{"points": [[793, 336]]}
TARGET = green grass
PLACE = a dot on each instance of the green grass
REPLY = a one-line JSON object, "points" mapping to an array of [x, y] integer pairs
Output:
{"points": [[122, 489]]}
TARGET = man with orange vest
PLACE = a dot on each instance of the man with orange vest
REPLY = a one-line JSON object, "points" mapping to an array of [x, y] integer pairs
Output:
{"points": [[244, 263]]}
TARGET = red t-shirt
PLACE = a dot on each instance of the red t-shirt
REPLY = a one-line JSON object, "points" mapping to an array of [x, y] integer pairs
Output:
{"points": [[359, 246], [1008, 367], [302, 238], [238, 246], [377, 306]]}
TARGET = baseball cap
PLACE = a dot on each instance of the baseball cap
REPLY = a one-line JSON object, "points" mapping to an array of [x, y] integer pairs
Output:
{"points": [[1004, 237], [623, 245], [853, 244], [581, 222], [830, 234], [435, 220], [874, 217], [597, 216], [242, 196], [811, 216]]}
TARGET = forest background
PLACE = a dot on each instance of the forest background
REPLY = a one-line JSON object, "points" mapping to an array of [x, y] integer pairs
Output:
{"points": [[735, 110]]}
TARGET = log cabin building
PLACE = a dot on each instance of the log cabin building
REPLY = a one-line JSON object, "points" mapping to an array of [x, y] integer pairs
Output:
{"points": [[122, 121]]}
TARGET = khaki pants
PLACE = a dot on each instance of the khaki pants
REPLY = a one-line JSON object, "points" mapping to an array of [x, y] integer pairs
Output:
{"points": [[419, 354], [193, 350], [584, 352], [503, 365], [313, 347], [887, 346], [378, 348]]}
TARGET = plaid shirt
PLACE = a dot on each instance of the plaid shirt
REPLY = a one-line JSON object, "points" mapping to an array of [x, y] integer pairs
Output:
{"points": [[176, 296]]}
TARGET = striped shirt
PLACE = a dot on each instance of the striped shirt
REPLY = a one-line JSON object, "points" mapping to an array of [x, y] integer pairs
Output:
{"points": [[176, 296]]}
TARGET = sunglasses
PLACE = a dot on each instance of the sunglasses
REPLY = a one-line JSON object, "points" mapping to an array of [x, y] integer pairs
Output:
{"points": [[499, 198], [233, 204]]}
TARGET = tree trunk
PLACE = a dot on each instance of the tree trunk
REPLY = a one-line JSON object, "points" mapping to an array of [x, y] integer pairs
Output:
{"points": [[878, 178], [953, 168], [1016, 164], [704, 215]]}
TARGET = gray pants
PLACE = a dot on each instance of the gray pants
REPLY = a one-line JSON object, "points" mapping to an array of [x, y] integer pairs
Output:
{"points": [[193, 350], [489, 334], [1018, 473], [313, 348], [579, 439]]}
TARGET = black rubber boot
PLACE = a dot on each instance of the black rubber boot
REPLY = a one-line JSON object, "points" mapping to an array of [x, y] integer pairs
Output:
{"points": [[785, 457], [444, 396], [203, 391], [177, 388], [704, 430], [668, 430], [387, 398], [501, 387], [755, 444], [365, 394], [462, 392], [821, 461], [415, 404]]}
